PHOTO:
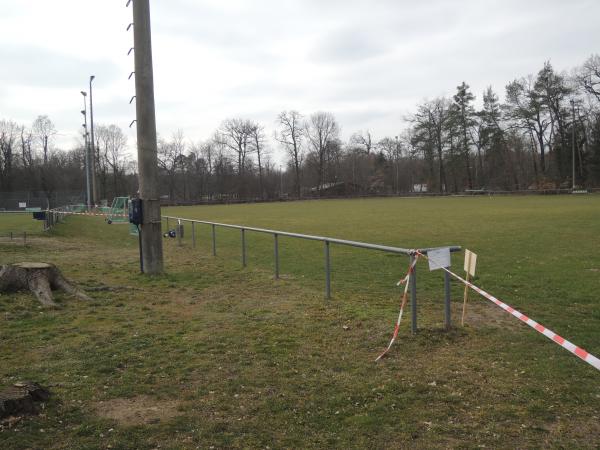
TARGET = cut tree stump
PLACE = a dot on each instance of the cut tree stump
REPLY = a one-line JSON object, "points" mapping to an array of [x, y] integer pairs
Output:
{"points": [[21, 398], [39, 278]]}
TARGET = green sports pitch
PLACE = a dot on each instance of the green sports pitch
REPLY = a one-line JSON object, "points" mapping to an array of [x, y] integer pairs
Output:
{"points": [[215, 354]]}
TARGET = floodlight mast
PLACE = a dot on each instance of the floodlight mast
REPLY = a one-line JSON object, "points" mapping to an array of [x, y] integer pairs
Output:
{"points": [[86, 152], [92, 148], [573, 145], [151, 234]]}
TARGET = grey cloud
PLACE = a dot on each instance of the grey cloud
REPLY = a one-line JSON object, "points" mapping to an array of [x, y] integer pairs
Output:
{"points": [[348, 45], [38, 67], [369, 62], [266, 87], [243, 35], [113, 110]]}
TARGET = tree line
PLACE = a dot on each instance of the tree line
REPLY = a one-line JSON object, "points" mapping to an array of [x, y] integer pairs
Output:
{"points": [[546, 134], [29, 162]]}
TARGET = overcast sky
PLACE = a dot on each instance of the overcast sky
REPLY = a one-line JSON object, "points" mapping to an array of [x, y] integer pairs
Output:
{"points": [[368, 62]]}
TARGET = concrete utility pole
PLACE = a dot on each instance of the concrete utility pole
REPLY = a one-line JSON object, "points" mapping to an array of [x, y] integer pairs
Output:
{"points": [[151, 234], [92, 147], [396, 159]]}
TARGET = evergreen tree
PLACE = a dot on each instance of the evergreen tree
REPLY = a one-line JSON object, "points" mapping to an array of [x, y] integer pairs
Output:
{"points": [[464, 113]]}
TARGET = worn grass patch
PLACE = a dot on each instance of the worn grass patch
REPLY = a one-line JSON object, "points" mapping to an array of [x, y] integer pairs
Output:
{"points": [[141, 410], [240, 360]]}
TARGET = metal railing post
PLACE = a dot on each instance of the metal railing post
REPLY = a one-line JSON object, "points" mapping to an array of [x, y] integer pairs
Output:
{"points": [[413, 297], [243, 248], [167, 224], [276, 256], [447, 300], [193, 234], [327, 272], [214, 240]]}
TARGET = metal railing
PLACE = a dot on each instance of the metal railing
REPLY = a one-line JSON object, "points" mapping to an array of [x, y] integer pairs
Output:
{"points": [[54, 216], [327, 241], [58, 214], [15, 236]]}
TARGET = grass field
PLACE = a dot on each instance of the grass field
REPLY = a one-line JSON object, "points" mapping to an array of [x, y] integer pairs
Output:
{"points": [[19, 223], [214, 355]]}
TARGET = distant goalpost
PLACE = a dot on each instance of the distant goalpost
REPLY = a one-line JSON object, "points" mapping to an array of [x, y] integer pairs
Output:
{"points": [[118, 213]]}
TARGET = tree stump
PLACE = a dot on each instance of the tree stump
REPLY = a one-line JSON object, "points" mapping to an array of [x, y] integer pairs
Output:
{"points": [[21, 398], [39, 278]]}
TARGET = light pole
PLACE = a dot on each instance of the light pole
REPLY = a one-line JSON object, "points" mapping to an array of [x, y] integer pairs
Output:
{"points": [[396, 158], [92, 147], [86, 151], [573, 143], [280, 182]]}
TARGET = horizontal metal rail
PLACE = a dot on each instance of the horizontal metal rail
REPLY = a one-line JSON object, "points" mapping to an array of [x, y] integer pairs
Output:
{"points": [[358, 244], [19, 212]]}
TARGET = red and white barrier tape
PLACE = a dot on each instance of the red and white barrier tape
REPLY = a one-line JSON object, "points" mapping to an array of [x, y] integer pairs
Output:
{"points": [[577, 351], [91, 214], [406, 282]]}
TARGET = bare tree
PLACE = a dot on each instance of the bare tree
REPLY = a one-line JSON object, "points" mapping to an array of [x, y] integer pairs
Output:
{"points": [[113, 143], [44, 130], [588, 76], [8, 136], [26, 147], [321, 131], [258, 142], [392, 150], [235, 135], [200, 163], [170, 158], [290, 136], [363, 140]]}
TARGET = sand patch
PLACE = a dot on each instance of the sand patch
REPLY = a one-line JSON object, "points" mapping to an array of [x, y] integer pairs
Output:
{"points": [[141, 410], [481, 313]]}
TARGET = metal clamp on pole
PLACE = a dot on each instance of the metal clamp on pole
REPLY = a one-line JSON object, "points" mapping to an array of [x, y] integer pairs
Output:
{"points": [[151, 211]]}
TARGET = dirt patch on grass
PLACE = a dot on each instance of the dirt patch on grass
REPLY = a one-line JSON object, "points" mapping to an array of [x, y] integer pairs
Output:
{"points": [[585, 429], [141, 410], [484, 314]]}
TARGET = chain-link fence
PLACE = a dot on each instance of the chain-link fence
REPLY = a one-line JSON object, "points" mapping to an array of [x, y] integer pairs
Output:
{"points": [[30, 200]]}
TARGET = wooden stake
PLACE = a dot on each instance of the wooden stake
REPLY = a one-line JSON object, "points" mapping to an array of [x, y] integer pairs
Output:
{"points": [[468, 268], [465, 297]]}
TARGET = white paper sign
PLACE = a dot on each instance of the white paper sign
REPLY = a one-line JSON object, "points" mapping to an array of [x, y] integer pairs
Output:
{"points": [[22, 205], [439, 258], [470, 262]]}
